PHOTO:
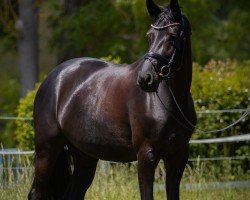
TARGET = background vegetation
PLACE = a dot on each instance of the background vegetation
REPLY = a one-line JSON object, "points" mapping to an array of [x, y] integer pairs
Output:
{"points": [[70, 29], [217, 85], [94, 28]]}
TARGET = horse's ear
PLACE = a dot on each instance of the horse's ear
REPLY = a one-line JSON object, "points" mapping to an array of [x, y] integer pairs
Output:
{"points": [[175, 8], [153, 9]]}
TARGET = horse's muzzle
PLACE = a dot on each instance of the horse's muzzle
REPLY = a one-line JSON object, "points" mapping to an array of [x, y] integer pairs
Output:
{"points": [[148, 82]]}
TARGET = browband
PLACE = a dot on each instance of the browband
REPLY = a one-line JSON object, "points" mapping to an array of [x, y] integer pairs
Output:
{"points": [[166, 26]]}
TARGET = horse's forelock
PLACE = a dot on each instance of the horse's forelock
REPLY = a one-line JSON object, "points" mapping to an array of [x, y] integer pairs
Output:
{"points": [[166, 16]]}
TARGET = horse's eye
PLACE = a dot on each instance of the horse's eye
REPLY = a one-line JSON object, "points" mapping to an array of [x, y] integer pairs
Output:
{"points": [[173, 37], [173, 40]]}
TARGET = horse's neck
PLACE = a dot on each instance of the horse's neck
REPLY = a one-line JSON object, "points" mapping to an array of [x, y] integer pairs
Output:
{"points": [[180, 83]]}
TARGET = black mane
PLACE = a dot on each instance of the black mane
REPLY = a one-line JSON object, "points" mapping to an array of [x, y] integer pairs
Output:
{"points": [[166, 16]]}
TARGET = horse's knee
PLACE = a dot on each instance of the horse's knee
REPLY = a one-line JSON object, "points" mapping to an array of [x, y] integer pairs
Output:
{"points": [[147, 156]]}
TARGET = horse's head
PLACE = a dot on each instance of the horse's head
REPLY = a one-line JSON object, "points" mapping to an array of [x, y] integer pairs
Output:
{"points": [[166, 45]]}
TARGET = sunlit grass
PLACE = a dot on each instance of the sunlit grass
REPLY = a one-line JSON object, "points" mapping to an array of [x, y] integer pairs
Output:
{"points": [[119, 181]]}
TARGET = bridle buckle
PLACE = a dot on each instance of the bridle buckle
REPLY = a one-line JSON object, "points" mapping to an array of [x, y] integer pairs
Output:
{"points": [[164, 75]]}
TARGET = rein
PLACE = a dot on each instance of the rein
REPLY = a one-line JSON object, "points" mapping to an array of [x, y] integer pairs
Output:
{"points": [[244, 115]]}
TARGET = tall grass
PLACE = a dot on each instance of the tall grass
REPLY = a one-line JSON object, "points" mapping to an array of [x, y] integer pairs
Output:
{"points": [[16, 173], [119, 182]]}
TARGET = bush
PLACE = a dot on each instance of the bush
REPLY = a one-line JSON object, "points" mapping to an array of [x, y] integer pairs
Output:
{"points": [[218, 85], [9, 97], [24, 127], [222, 85]]}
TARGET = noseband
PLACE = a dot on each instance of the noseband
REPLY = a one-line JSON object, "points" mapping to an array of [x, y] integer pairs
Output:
{"points": [[163, 67]]}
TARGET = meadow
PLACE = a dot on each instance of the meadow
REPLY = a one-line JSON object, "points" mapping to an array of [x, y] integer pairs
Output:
{"points": [[119, 181]]}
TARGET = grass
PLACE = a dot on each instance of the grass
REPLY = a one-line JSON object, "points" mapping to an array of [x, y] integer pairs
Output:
{"points": [[119, 181]]}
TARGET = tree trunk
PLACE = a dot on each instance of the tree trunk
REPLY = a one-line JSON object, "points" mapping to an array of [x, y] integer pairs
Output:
{"points": [[28, 44]]}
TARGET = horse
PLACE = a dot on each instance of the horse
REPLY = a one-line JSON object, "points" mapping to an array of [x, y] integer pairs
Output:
{"points": [[88, 109]]}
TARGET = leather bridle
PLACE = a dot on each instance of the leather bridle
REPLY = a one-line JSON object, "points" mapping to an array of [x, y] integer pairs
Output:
{"points": [[164, 65]]}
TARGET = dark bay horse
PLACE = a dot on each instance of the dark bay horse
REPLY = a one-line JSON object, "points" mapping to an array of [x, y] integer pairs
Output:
{"points": [[92, 109]]}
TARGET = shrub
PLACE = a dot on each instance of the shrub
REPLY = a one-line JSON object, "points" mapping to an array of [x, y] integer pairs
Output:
{"points": [[222, 85], [9, 97], [218, 85], [24, 126]]}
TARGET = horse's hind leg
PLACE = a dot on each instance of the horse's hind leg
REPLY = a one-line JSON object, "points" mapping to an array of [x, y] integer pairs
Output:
{"points": [[83, 175], [49, 151]]}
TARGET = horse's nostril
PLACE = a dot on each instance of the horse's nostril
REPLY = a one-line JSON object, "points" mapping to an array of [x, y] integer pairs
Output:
{"points": [[149, 79], [139, 80]]}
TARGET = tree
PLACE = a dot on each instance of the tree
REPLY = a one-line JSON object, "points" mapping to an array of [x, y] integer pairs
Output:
{"points": [[27, 26], [232, 37], [8, 15], [94, 29], [69, 7]]}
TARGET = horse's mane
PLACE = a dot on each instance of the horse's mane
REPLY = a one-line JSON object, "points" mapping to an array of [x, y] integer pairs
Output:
{"points": [[165, 16]]}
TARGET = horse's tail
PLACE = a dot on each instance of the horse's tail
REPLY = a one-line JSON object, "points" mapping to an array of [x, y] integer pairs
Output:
{"points": [[60, 176]]}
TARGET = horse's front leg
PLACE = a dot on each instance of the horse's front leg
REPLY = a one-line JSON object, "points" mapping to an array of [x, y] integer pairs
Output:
{"points": [[147, 162], [175, 166]]}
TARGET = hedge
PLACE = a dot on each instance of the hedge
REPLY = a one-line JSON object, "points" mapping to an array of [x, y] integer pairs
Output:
{"points": [[217, 85]]}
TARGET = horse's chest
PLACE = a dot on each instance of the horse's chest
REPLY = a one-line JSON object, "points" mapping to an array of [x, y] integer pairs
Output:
{"points": [[160, 131], [172, 141], [171, 136]]}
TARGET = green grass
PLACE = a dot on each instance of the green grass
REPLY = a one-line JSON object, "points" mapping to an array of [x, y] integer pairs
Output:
{"points": [[119, 182]]}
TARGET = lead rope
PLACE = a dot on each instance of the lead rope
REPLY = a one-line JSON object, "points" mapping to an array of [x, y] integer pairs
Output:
{"points": [[244, 115]]}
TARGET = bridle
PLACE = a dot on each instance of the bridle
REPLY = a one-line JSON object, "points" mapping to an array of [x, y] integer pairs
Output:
{"points": [[164, 65]]}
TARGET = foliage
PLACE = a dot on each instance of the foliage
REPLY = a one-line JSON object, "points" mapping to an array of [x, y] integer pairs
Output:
{"points": [[24, 127], [217, 85], [9, 96], [116, 60], [230, 36], [221, 85], [87, 30], [8, 16], [119, 28]]}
